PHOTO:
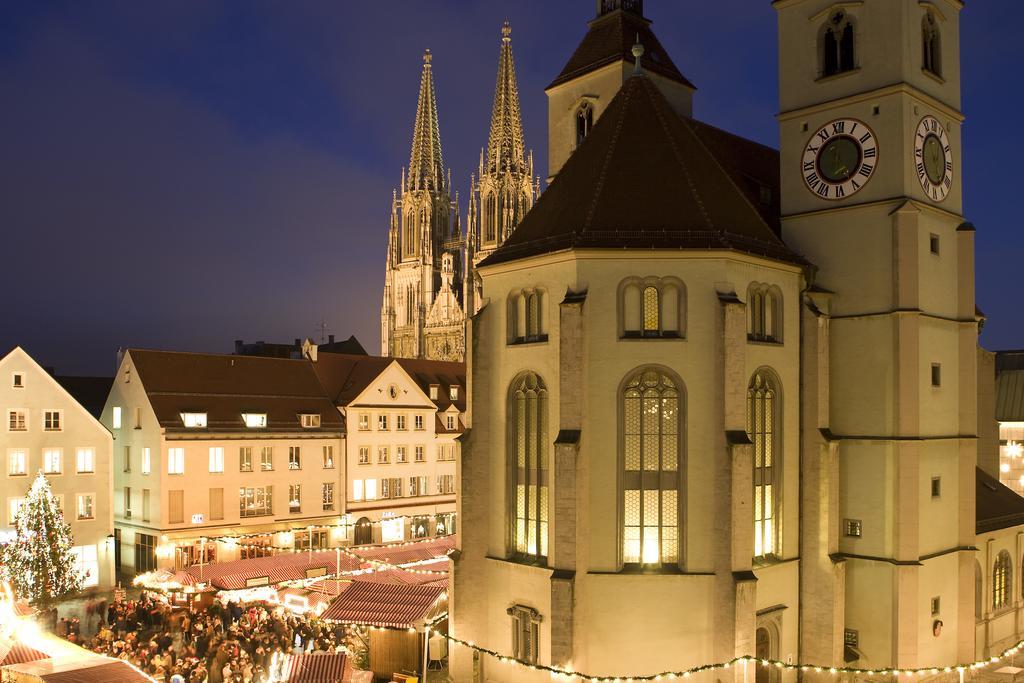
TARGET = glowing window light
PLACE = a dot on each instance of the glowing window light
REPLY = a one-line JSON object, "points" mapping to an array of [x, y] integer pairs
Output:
{"points": [[1005, 467], [1014, 449]]}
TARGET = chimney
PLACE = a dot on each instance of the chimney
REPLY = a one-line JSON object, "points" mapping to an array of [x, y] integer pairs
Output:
{"points": [[238, 346], [298, 343], [330, 339]]}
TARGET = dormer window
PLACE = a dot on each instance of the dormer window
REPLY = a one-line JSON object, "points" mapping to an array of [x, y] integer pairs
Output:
{"points": [[837, 45], [310, 420], [255, 420], [453, 393], [584, 122], [433, 392], [18, 380], [194, 420], [451, 423], [931, 41]]}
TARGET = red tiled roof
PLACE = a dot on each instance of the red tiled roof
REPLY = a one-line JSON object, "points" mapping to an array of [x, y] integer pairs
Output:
{"points": [[382, 604], [286, 567], [345, 376], [315, 668]]}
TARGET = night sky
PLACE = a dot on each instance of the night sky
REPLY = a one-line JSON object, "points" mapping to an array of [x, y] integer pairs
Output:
{"points": [[182, 174]]}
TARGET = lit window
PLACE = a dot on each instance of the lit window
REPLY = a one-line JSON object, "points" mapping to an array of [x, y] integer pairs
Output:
{"points": [[382, 423], [357, 489], [651, 440], [53, 461], [310, 420], [14, 506], [364, 422], [400, 423], [294, 498], [328, 452], [194, 420], [763, 413], [85, 460], [175, 461], [525, 633], [652, 314], [17, 420], [419, 454], [371, 489], [245, 459], [51, 420], [117, 417], [256, 501], [328, 496], [400, 454], [1002, 577], [294, 458], [417, 423], [18, 380], [86, 564], [217, 460], [255, 420], [17, 463], [383, 457], [364, 455], [147, 461], [267, 459], [433, 392], [418, 486], [453, 393], [528, 456], [85, 506]]}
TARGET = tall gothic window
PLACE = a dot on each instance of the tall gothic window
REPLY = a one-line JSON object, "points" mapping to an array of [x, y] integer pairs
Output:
{"points": [[409, 234], [528, 465], [763, 411], [764, 313], [652, 312], [931, 44], [1002, 579], [652, 307], [490, 218], [584, 122], [652, 426], [837, 42]]}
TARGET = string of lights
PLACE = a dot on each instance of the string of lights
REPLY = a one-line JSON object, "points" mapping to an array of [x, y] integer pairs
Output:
{"points": [[738, 661], [236, 538]]}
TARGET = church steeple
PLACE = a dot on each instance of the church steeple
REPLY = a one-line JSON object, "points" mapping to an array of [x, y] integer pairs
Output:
{"points": [[426, 164], [505, 148]]}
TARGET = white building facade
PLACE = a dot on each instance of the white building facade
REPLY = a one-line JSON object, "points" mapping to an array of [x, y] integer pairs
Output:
{"points": [[46, 430]]}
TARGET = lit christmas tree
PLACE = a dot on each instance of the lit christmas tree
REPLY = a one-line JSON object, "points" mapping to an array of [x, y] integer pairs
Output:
{"points": [[38, 562]]}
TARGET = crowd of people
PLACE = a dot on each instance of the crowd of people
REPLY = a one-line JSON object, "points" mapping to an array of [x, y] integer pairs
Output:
{"points": [[219, 643]]}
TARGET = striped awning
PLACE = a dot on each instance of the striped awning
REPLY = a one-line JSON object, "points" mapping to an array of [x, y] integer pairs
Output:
{"points": [[109, 672], [384, 604], [14, 652], [409, 552], [315, 668], [268, 571]]}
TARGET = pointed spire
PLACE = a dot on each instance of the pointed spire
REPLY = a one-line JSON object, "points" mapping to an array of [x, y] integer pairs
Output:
{"points": [[505, 147], [426, 165]]}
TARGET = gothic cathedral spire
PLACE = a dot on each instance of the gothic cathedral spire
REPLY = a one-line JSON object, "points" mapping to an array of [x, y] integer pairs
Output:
{"points": [[422, 312], [505, 187]]}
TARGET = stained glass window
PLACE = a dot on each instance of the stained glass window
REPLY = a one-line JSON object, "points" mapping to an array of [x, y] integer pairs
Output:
{"points": [[528, 455], [652, 314], [762, 412], [1002, 574], [651, 443]]}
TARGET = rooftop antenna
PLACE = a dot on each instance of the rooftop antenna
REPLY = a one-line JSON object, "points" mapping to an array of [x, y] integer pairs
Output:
{"points": [[322, 328], [638, 53]]}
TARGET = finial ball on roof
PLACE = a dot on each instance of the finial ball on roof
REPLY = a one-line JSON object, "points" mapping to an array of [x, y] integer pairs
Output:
{"points": [[506, 31], [427, 57]]}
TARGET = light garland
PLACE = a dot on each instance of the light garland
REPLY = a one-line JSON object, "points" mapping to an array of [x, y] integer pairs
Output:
{"points": [[229, 538], [765, 663]]}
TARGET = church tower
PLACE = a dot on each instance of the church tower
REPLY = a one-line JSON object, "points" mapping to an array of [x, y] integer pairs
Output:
{"points": [[871, 194], [422, 314], [505, 187]]}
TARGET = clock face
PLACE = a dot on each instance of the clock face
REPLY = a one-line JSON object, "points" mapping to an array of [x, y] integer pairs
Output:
{"points": [[933, 158], [840, 159]]}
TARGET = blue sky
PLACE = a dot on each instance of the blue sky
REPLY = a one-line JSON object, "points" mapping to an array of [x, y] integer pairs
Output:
{"points": [[182, 174]]}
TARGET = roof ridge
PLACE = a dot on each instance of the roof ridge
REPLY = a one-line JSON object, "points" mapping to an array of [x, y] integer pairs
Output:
{"points": [[679, 157], [217, 355]]}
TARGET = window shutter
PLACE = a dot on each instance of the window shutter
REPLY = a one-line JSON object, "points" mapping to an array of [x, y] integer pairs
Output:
{"points": [[216, 503], [175, 507]]}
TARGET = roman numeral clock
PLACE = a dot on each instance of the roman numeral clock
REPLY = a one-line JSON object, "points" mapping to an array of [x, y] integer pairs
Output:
{"points": [[840, 159], [933, 159]]}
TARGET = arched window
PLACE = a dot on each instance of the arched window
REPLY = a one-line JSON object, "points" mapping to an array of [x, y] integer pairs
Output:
{"points": [[652, 409], [527, 312], [409, 234], [763, 411], [652, 307], [931, 44], [528, 467], [584, 122], [764, 313], [490, 218], [837, 45], [1002, 580], [979, 600]]}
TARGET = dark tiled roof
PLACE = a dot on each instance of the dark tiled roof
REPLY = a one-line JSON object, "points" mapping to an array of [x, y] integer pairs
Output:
{"points": [[224, 387], [611, 38], [997, 506], [90, 392], [1010, 386], [646, 178], [294, 350], [345, 376]]}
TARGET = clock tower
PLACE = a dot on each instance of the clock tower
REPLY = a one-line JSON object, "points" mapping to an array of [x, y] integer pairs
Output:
{"points": [[871, 194]]}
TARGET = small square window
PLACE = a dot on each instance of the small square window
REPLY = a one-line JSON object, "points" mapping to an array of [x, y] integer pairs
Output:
{"points": [[311, 420], [936, 374], [433, 392], [936, 606], [933, 243], [936, 487], [851, 638], [852, 528], [877, 110], [18, 380], [453, 393]]}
